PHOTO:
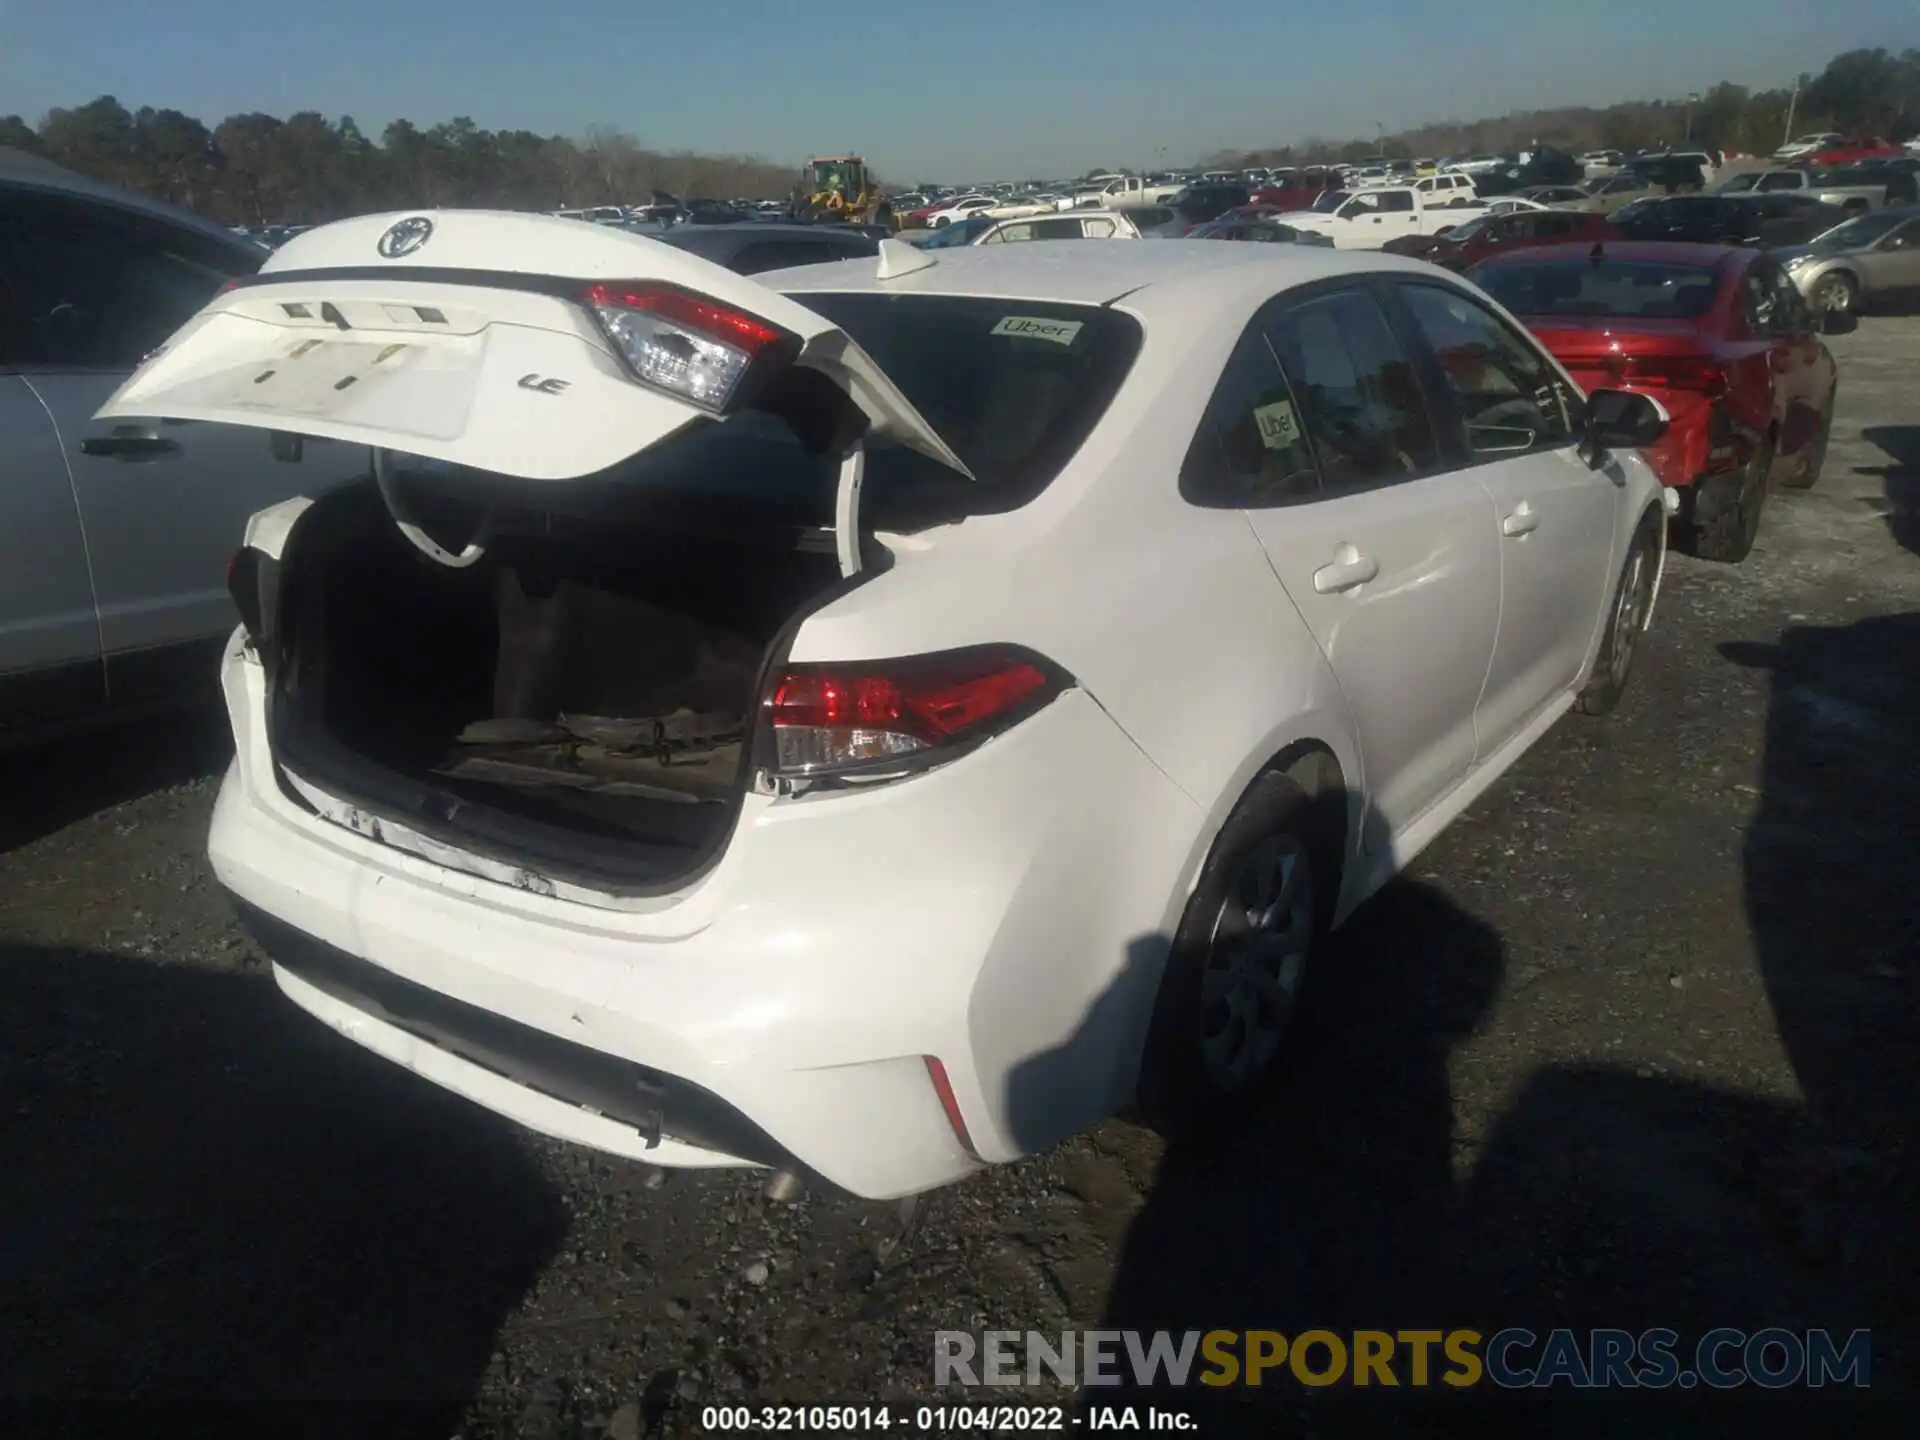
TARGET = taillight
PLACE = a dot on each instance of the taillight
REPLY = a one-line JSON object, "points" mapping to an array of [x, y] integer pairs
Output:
{"points": [[1700, 373], [682, 343], [841, 719]]}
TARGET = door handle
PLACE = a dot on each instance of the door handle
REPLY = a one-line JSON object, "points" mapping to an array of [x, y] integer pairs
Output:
{"points": [[129, 442], [1521, 522], [1348, 572]]}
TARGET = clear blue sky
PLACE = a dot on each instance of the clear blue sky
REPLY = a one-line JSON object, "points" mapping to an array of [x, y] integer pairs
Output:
{"points": [[943, 89]]}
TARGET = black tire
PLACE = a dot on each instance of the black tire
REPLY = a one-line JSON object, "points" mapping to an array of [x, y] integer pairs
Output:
{"points": [[1727, 536], [1627, 615], [1837, 291], [940, 222], [1183, 1090], [1808, 474]]}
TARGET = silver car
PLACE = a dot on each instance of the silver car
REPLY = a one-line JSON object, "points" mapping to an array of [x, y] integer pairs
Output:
{"points": [[115, 537], [1870, 258]]}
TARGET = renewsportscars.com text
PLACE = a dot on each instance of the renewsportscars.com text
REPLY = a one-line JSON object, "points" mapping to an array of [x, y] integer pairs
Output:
{"points": [[1514, 1358]]}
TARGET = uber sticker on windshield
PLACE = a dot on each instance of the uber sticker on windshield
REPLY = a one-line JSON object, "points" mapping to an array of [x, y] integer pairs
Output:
{"points": [[1278, 428], [1032, 327]]}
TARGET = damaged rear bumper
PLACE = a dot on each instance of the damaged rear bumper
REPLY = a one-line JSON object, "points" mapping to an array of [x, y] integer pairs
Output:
{"points": [[779, 1010], [360, 998]]}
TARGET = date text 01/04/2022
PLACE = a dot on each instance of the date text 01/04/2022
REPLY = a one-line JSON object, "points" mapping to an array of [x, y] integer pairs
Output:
{"points": [[937, 1419]]}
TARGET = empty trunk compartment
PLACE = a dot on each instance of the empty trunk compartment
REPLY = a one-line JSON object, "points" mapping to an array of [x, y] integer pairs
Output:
{"points": [[580, 702]]}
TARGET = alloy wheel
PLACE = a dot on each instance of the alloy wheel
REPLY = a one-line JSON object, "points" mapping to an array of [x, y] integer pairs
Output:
{"points": [[1630, 614], [1256, 959]]}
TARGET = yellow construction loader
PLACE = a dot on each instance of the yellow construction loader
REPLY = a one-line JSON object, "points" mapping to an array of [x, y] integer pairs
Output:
{"points": [[840, 188]]}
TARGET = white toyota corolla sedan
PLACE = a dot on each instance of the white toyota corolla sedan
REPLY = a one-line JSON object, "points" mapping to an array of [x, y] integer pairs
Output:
{"points": [[873, 720]]}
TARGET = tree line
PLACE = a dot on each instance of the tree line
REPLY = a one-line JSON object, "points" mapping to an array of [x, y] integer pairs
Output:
{"points": [[1866, 92], [258, 169]]}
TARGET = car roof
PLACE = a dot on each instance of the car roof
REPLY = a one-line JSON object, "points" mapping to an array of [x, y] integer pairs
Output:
{"points": [[21, 171], [1182, 279]]}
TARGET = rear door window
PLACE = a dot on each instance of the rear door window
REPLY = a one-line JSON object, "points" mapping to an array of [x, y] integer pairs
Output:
{"points": [[1359, 400], [1250, 451]]}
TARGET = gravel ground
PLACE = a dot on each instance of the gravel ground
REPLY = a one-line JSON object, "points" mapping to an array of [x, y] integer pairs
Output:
{"points": [[1634, 1044]]}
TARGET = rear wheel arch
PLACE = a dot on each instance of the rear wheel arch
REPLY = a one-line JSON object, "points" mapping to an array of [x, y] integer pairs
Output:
{"points": [[1311, 764], [1299, 798], [1333, 813]]}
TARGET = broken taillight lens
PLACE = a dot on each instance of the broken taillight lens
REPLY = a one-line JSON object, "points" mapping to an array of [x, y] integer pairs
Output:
{"points": [[685, 344], [841, 719]]}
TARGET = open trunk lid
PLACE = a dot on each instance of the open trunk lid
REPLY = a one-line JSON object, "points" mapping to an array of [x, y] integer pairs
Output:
{"points": [[470, 337]]}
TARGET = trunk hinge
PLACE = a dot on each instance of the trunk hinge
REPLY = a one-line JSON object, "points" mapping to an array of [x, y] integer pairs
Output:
{"points": [[846, 508], [402, 515]]}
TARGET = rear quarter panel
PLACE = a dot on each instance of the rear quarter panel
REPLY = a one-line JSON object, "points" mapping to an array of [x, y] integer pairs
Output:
{"points": [[1167, 614]]}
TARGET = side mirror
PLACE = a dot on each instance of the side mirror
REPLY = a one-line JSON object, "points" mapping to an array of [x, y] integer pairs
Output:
{"points": [[1619, 420], [1839, 322]]}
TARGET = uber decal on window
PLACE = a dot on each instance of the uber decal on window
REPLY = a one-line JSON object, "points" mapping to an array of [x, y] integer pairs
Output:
{"points": [[1032, 327], [1279, 430]]}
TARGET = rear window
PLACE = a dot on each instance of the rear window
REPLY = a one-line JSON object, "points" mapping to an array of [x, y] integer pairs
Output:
{"points": [[1575, 288], [1013, 386]]}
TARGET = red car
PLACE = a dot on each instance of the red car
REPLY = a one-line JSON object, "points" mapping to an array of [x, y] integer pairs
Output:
{"points": [[1298, 189], [1719, 336], [1852, 152], [1467, 244]]}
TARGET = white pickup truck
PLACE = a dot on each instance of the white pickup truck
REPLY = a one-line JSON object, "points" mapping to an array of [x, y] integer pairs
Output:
{"points": [[1125, 192], [1367, 219]]}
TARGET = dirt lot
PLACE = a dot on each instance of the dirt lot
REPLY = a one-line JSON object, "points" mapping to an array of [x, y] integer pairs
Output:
{"points": [[1635, 1045]]}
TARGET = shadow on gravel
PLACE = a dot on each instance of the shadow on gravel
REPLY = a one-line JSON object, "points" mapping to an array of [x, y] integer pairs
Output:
{"points": [[1901, 443], [49, 786], [1602, 1197], [207, 1197]]}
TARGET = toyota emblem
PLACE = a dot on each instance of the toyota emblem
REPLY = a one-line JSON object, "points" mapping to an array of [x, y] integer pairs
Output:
{"points": [[406, 236]]}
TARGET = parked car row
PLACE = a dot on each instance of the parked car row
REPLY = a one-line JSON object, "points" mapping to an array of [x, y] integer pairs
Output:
{"points": [[666, 209], [269, 237], [1833, 149]]}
